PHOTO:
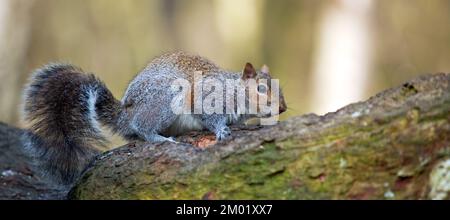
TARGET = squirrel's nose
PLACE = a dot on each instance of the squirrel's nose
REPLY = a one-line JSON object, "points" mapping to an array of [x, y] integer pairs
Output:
{"points": [[282, 107]]}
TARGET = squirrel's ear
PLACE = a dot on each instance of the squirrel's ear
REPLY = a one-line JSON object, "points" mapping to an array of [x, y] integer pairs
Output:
{"points": [[249, 72], [265, 69]]}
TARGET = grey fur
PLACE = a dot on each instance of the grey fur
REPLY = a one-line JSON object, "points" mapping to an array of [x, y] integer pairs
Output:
{"points": [[65, 105]]}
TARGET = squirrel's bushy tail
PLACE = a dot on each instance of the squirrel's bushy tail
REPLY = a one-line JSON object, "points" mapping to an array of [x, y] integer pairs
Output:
{"points": [[64, 108]]}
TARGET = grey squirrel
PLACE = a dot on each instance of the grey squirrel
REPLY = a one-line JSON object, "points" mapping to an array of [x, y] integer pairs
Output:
{"points": [[65, 108]]}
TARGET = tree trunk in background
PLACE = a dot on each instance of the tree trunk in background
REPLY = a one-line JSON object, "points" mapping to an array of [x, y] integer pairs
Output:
{"points": [[15, 25], [343, 57]]}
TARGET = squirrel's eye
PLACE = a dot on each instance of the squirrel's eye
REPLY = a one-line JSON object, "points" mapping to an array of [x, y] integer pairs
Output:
{"points": [[262, 88]]}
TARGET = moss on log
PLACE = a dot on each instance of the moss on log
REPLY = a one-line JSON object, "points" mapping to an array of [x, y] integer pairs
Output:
{"points": [[396, 145]]}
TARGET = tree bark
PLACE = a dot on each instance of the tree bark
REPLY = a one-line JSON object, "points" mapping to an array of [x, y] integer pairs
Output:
{"points": [[396, 145], [19, 178], [15, 26]]}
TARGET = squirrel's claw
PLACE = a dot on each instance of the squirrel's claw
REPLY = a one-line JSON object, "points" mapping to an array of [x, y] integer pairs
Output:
{"points": [[172, 140]]}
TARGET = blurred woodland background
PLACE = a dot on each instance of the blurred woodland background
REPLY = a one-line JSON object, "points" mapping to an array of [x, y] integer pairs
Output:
{"points": [[326, 53]]}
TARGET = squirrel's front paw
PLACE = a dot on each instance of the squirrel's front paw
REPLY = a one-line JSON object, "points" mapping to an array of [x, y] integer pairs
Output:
{"points": [[223, 134]]}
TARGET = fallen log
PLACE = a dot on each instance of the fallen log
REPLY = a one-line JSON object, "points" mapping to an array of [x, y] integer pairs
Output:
{"points": [[396, 145]]}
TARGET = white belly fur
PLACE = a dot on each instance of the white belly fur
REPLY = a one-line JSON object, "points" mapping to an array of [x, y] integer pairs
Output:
{"points": [[183, 124]]}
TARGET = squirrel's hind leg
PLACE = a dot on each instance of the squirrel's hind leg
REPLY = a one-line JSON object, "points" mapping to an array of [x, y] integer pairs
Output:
{"points": [[150, 122]]}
